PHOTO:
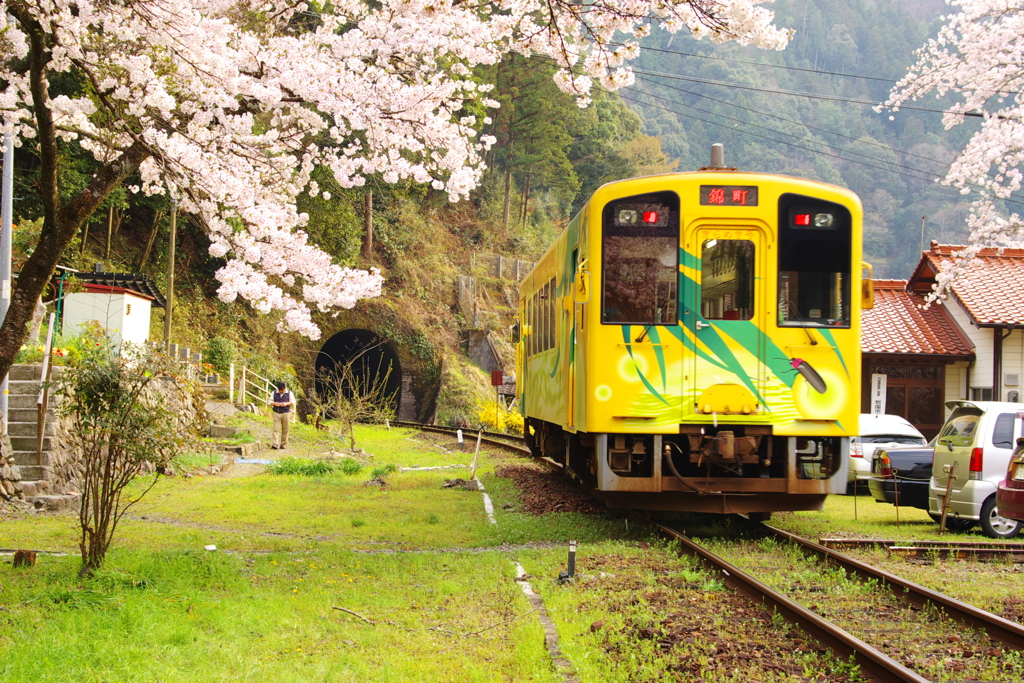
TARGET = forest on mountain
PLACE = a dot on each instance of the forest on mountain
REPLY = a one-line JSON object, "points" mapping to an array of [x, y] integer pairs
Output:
{"points": [[846, 53]]}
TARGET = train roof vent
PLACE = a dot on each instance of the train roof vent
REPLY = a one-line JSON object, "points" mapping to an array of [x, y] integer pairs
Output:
{"points": [[718, 159]]}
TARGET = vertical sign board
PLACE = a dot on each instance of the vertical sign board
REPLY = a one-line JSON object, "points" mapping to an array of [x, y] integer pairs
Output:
{"points": [[497, 379], [878, 394]]}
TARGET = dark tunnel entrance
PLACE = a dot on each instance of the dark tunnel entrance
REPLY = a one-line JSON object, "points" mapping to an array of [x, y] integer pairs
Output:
{"points": [[358, 362]]}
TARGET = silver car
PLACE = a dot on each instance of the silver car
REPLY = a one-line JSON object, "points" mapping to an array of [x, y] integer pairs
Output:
{"points": [[878, 432], [971, 455]]}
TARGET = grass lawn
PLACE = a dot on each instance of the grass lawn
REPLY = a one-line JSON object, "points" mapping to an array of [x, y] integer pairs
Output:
{"points": [[429, 579], [426, 580]]}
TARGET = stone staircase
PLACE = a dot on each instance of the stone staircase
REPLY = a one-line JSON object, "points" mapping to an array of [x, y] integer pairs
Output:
{"points": [[40, 482]]}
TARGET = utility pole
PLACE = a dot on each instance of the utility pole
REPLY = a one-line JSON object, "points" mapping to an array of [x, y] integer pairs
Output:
{"points": [[170, 273], [921, 246], [6, 213], [110, 229], [368, 224]]}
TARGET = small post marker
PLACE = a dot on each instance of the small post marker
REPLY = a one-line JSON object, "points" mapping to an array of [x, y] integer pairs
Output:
{"points": [[472, 473], [462, 444], [570, 573]]}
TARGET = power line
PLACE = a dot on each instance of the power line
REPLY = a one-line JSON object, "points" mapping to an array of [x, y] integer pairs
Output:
{"points": [[780, 132], [776, 91], [644, 48], [803, 147], [793, 121], [781, 142]]}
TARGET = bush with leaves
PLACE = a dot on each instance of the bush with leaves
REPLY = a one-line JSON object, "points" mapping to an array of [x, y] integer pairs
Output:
{"points": [[220, 353], [495, 418], [127, 417]]}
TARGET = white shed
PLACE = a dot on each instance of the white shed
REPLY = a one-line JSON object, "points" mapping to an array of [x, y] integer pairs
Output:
{"points": [[120, 303]]}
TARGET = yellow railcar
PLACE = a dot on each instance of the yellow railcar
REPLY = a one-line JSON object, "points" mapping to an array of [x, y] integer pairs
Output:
{"points": [[691, 342]]}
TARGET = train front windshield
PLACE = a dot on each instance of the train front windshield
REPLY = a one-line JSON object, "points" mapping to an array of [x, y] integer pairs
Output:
{"points": [[814, 263], [640, 260]]}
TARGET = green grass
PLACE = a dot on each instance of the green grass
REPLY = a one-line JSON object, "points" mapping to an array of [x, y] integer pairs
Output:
{"points": [[236, 440], [290, 548], [421, 562], [188, 461], [209, 616], [314, 468]]}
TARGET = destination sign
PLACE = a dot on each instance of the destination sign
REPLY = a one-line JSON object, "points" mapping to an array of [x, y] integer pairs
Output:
{"points": [[728, 195]]}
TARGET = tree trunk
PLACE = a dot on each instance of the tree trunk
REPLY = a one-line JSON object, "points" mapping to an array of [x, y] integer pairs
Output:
{"points": [[113, 225], [60, 223], [152, 237], [524, 214], [368, 224], [508, 193]]}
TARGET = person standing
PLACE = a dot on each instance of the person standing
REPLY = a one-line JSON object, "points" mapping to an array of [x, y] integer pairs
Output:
{"points": [[281, 401]]}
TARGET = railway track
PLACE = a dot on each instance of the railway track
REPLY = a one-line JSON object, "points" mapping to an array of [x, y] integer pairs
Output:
{"points": [[879, 609], [516, 444], [875, 589]]}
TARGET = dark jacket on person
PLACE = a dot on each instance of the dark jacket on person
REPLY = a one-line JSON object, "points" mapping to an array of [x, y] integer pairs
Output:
{"points": [[281, 397]]}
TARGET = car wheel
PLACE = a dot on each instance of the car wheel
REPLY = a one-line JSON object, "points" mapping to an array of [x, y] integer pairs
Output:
{"points": [[954, 523], [996, 526]]}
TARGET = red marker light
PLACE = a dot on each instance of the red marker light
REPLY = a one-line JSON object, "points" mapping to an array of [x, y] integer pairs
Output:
{"points": [[802, 219], [650, 216]]}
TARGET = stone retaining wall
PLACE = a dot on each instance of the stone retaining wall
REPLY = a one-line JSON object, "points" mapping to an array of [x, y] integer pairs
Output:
{"points": [[64, 463]]}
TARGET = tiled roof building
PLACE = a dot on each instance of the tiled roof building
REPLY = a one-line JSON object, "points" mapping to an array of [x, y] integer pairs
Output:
{"points": [[969, 347], [914, 347], [899, 324], [991, 289]]}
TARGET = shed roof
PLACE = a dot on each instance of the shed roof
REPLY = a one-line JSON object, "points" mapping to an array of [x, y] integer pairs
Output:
{"points": [[140, 284]]}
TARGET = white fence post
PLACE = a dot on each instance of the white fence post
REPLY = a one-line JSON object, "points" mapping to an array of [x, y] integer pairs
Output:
{"points": [[231, 382]]}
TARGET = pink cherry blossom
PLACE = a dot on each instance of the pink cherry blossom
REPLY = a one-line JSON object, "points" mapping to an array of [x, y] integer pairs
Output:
{"points": [[237, 102], [978, 56]]}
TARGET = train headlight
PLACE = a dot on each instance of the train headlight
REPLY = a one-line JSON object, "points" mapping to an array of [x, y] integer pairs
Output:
{"points": [[823, 220], [627, 217]]}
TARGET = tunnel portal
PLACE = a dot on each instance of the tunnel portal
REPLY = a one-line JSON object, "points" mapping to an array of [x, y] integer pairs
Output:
{"points": [[358, 361]]}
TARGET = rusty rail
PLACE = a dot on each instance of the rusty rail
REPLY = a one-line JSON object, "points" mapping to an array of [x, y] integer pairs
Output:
{"points": [[873, 663], [1010, 633]]}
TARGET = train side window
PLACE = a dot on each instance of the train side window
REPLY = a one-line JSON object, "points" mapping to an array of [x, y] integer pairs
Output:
{"points": [[814, 262], [640, 260], [549, 310], [544, 298], [727, 280], [535, 315]]}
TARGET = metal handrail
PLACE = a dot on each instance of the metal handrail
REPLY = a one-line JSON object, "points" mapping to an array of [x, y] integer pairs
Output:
{"points": [[43, 400], [261, 389]]}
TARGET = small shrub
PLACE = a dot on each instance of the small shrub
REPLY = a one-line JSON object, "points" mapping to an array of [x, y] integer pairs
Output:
{"points": [[383, 470], [496, 418], [350, 466], [358, 522], [220, 353], [124, 416], [301, 466], [433, 519]]}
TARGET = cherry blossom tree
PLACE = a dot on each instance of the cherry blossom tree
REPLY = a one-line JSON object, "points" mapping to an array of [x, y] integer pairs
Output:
{"points": [[230, 105], [978, 55]]}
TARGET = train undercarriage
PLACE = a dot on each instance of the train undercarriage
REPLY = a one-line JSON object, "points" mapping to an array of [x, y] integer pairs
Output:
{"points": [[703, 468]]}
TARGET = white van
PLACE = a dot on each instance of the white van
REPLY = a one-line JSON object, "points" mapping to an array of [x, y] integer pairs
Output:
{"points": [[971, 455], [879, 432]]}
